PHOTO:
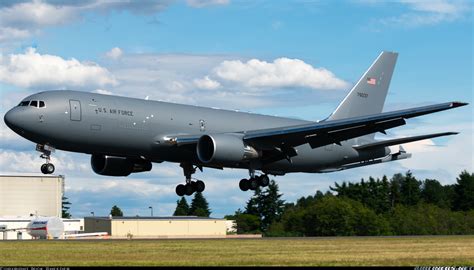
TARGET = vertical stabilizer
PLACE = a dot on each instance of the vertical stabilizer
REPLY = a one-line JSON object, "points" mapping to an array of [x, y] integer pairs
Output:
{"points": [[368, 95]]}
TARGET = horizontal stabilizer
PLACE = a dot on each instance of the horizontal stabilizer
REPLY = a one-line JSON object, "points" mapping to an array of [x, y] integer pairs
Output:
{"points": [[401, 140]]}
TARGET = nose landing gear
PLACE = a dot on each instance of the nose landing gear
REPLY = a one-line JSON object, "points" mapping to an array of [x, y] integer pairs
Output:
{"points": [[48, 167]]}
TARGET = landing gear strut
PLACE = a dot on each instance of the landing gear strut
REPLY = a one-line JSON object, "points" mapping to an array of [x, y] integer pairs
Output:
{"points": [[254, 182], [191, 186], [48, 167]]}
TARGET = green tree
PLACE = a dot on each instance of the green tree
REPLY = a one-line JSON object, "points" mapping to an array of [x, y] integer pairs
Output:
{"points": [[341, 216], [410, 190], [271, 205], [395, 190], [65, 207], [254, 204], [182, 207], [245, 223], [432, 192], [199, 206], [464, 192], [116, 211]]}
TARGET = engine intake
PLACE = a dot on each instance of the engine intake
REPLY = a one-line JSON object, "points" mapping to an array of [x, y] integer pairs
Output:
{"points": [[118, 166], [224, 149]]}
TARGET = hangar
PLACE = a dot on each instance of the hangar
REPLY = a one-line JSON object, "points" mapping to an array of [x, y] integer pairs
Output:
{"points": [[157, 227], [31, 195]]}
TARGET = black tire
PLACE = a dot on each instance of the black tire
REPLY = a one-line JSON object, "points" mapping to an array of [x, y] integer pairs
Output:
{"points": [[180, 190], [189, 190], [263, 180], [253, 184], [244, 184], [49, 168], [199, 186], [43, 169]]}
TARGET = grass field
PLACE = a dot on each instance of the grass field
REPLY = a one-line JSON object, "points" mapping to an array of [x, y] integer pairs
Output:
{"points": [[340, 251]]}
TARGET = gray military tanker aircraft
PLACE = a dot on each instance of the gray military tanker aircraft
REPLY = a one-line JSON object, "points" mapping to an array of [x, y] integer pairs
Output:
{"points": [[126, 135]]}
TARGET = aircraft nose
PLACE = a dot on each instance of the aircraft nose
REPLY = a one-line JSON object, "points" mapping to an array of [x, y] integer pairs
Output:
{"points": [[11, 118]]}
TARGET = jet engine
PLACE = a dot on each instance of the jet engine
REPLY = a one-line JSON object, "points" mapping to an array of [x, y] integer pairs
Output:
{"points": [[118, 166], [224, 149]]}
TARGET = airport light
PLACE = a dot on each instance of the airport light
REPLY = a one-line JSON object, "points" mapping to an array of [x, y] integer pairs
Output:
{"points": [[151, 210]]}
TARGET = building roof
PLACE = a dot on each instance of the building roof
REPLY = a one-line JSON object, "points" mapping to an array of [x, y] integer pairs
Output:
{"points": [[35, 175], [157, 218]]}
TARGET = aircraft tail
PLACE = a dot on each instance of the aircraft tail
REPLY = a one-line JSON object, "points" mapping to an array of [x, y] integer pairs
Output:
{"points": [[368, 95]]}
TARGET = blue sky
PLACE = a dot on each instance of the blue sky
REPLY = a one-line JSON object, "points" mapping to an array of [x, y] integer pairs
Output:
{"points": [[220, 53]]}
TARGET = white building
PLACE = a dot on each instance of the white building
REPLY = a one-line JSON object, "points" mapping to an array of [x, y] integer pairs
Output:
{"points": [[27, 195]]}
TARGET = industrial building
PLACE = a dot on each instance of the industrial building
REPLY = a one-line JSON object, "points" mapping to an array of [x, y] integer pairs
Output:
{"points": [[157, 227], [31, 195], [26, 198]]}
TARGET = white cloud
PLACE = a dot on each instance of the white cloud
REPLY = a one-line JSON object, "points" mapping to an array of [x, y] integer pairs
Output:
{"points": [[24, 18], [114, 53], [436, 6], [34, 70], [423, 13], [282, 72], [206, 83], [103, 92], [21, 19], [35, 13], [205, 3], [10, 33]]}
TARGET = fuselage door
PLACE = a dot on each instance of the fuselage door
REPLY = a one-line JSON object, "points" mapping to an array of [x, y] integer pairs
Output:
{"points": [[75, 106]]}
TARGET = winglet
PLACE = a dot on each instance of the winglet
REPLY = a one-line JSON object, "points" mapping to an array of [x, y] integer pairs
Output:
{"points": [[456, 104]]}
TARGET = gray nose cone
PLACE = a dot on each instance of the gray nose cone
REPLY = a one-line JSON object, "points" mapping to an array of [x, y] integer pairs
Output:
{"points": [[11, 119], [8, 118]]}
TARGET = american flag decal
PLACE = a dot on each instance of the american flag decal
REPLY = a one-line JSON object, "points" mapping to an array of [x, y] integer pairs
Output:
{"points": [[371, 81]]}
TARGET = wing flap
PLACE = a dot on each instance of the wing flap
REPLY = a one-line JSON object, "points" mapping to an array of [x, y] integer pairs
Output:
{"points": [[401, 140], [336, 136]]}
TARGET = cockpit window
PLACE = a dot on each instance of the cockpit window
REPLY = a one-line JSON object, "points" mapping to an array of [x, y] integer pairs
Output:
{"points": [[34, 103], [24, 103], [41, 104]]}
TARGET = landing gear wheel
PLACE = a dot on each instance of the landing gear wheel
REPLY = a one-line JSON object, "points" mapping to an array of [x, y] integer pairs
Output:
{"points": [[50, 168], [244, 185], [189, 190], [263, 180], [47, 168], [180, 190], [199, 186], [253, 184], [43, 169]]}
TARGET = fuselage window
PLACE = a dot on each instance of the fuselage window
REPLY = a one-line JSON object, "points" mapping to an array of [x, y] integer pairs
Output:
{"points": [[34, 103], [24, 103], [41, 104]]}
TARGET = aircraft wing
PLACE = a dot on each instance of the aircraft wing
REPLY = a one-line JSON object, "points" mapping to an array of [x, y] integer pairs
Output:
{"points": [[323, 133], [279, 143]]}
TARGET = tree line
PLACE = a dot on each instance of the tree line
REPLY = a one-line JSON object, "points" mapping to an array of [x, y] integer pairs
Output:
{"points": [[402, 205]]}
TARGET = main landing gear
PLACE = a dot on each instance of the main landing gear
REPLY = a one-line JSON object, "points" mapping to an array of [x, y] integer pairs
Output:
{"points": [[254, 182], [191, 186], [48, 167]]}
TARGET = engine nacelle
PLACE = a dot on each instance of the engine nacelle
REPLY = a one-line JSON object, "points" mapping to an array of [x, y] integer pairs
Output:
{"points": [[118, 166], [224, 149]]}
